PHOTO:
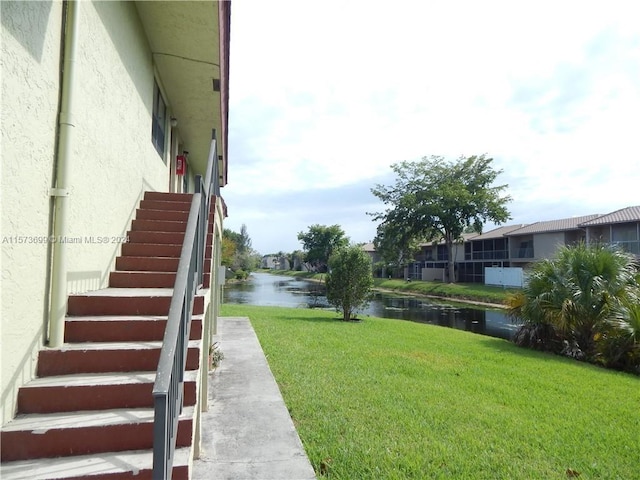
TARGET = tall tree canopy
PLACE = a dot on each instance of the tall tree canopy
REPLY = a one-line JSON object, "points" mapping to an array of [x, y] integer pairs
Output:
{"points": [[434, 199], [320, 241], [244, 241], [237, 252]]}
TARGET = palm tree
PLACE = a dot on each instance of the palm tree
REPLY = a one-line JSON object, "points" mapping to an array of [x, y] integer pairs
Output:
{"points": [[620, 346], [534, 307], [629, 321], [574, 298]]}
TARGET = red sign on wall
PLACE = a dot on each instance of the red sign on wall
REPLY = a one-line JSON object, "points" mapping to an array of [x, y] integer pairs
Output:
{"points": [[180, 164]]}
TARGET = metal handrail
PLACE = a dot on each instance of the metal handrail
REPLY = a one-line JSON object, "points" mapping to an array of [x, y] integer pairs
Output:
{"points": [[168, 389]]}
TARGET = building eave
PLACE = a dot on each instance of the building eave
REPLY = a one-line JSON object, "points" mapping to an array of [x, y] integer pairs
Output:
{"points": [[189, 43]]}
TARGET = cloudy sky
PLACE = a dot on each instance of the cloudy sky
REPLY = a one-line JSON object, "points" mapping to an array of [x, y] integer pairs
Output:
{"points": [[326, 95]]}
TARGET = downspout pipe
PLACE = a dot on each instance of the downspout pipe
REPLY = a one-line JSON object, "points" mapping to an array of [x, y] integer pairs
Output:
{"points": [[66, 131]]}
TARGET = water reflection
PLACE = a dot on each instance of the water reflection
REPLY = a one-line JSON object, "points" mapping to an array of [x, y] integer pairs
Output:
{"points": [[278, 290]]}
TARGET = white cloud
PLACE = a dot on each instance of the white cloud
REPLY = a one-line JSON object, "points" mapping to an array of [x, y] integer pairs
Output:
{"points": [[325, 95]]}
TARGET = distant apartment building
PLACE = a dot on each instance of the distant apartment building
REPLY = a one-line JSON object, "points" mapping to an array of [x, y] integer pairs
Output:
{"points": [[275, 262], [514, 246], [540, 240], [621, 228], [489, 249]]}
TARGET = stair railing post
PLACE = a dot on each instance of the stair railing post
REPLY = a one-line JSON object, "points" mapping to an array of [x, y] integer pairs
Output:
{"points": [[173, 356], [168, 389], [160, 437], [201, 219], [201, 236]]}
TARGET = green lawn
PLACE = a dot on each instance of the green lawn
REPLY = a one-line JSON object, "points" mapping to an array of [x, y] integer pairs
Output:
{"points": [[392, 399]]}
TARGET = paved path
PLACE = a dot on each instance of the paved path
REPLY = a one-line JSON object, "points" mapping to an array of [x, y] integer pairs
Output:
{"points": [[247, 432]]}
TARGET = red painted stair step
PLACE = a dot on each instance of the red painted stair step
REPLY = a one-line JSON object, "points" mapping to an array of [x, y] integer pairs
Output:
{"points": [[151, 250], [168, 197], [150, 264], [82, 433], [101, 328], [157, 226], [142, 279], [166, 215], [169, 238], [107, 391], [81, 305], [107, 357], [165, 205], [135, 465]]}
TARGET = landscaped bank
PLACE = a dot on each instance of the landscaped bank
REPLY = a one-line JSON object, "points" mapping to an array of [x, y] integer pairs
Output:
{"points": [[475, 292], [390, 399]]}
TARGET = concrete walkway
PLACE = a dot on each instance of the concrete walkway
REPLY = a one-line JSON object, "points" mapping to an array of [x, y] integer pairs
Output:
{"points": [[247, 432]]}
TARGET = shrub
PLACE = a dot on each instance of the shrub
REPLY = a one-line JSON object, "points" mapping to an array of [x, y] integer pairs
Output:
{"points": [[619, 347], [241, 274], [579, 304], [349, 280]]}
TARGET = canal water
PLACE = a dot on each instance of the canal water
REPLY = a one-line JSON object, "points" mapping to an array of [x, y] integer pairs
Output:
{"points": [[278, 290]]}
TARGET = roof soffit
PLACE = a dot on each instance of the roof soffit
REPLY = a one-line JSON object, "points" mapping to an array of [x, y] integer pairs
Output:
{"points": [[184, 40]]}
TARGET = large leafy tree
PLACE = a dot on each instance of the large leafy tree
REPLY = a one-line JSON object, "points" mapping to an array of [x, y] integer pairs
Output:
{"points": [[434, 199], [319, 242], [349, 280]]}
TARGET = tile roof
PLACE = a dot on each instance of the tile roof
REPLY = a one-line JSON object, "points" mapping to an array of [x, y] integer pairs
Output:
{"points": [[369, 247], [628, 214], [560, 225], [465, 238], [469, 236], [498, 232]]}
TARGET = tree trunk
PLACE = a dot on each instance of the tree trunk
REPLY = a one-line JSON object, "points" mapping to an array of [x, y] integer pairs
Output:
{"points": [[451, 263]]}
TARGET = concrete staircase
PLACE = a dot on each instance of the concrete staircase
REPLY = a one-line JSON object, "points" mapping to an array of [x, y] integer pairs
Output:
{"points": [[89, 412]]}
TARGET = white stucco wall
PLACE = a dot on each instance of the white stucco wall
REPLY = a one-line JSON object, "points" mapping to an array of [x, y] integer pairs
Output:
{"points": [[433, 275], [30, 72], [113, 160], [504, 276]]}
